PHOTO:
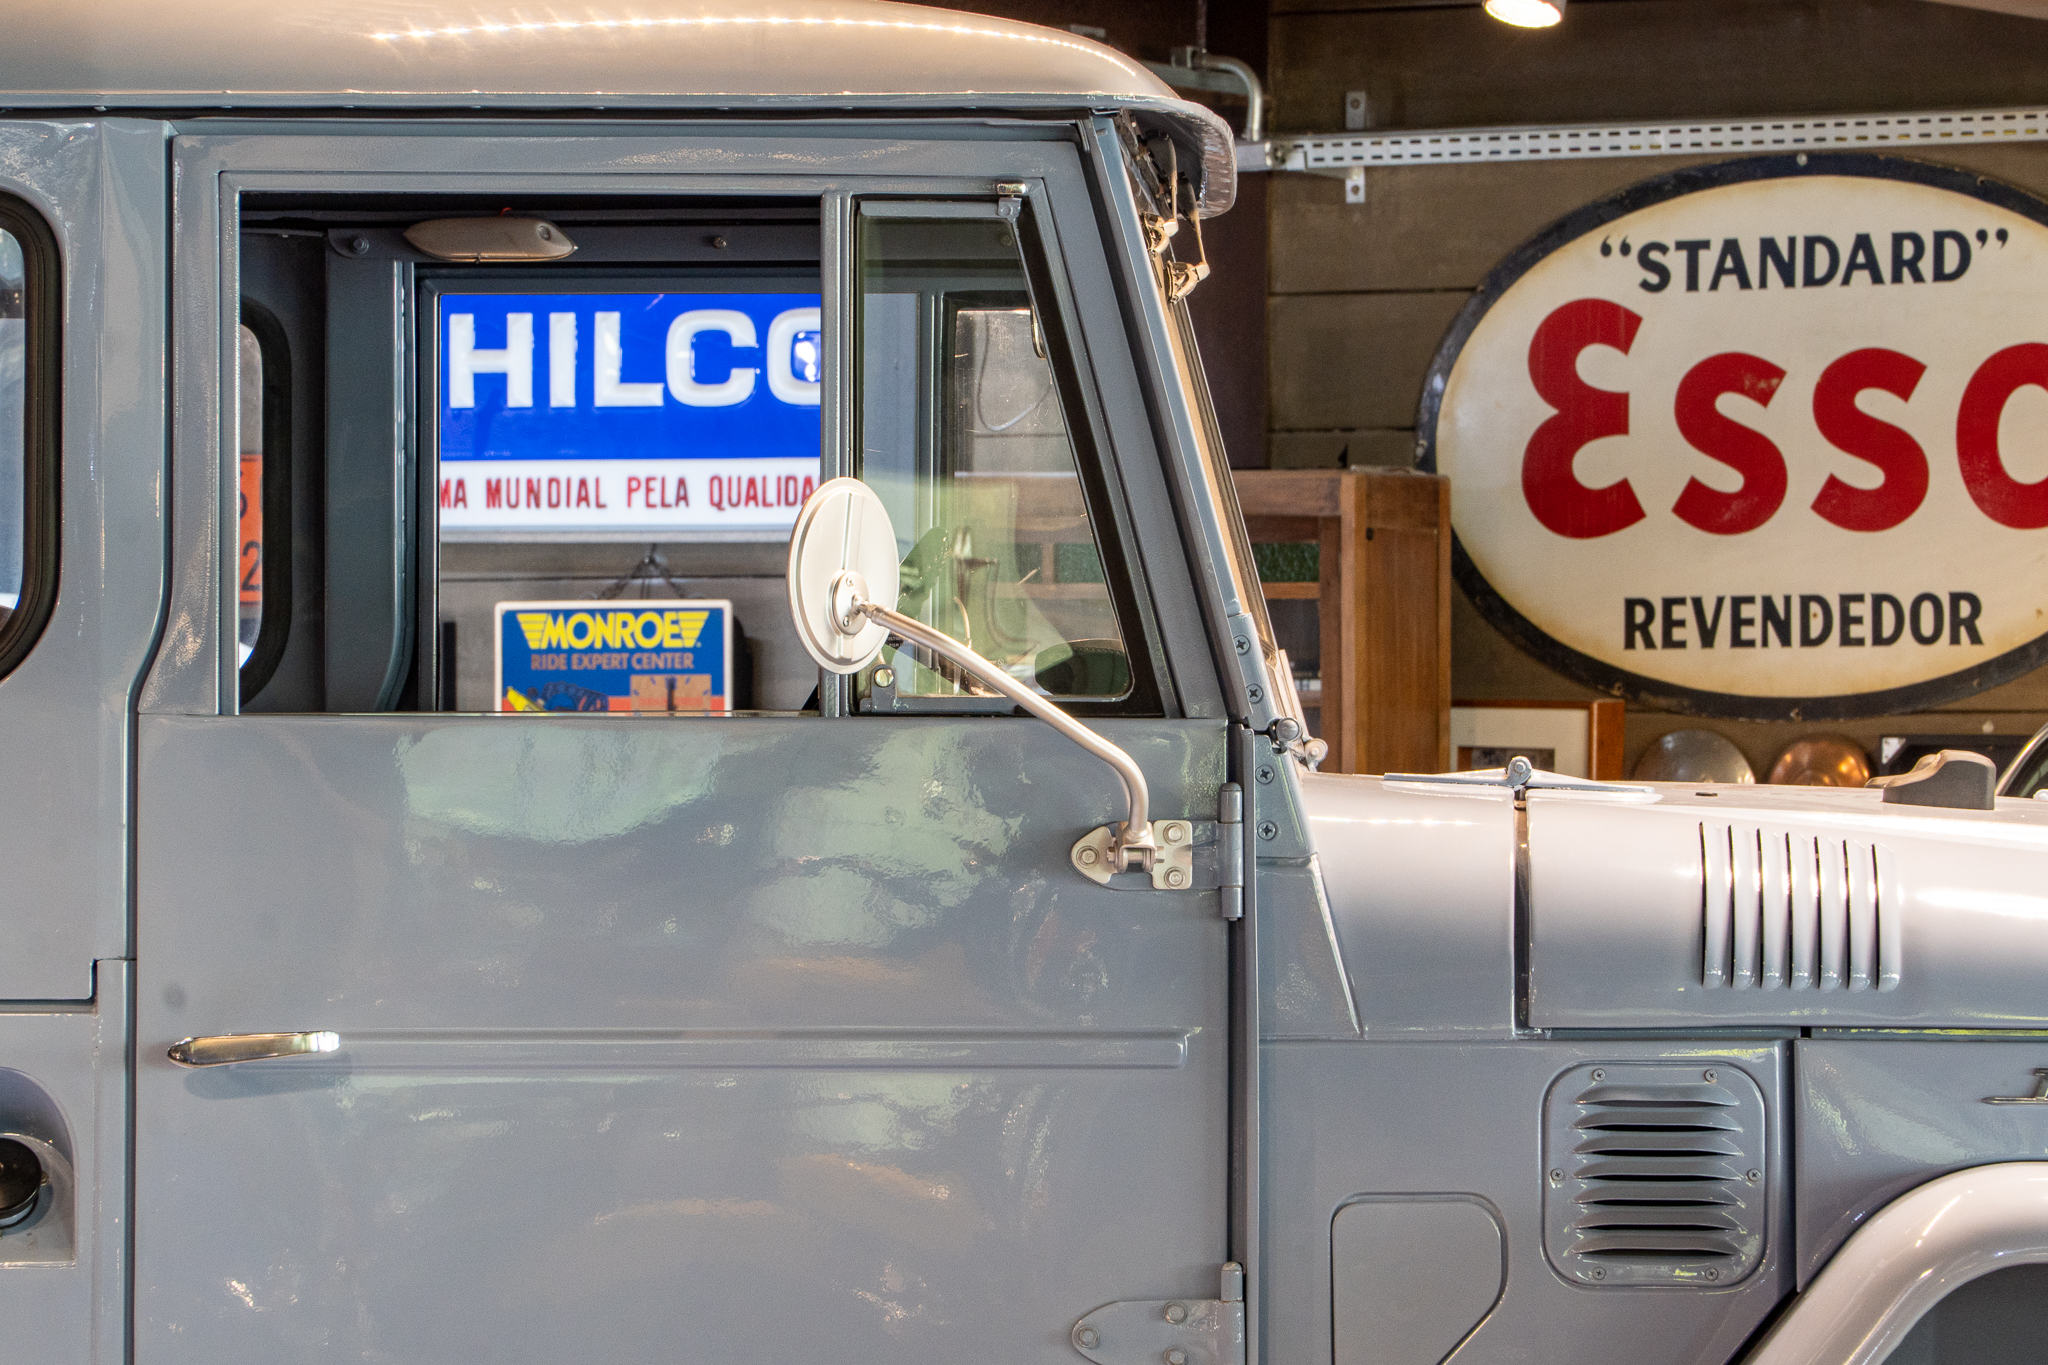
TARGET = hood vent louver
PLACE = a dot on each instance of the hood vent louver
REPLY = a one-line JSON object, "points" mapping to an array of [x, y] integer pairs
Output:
{"points": [[1654, 1175], [1793, 910]]}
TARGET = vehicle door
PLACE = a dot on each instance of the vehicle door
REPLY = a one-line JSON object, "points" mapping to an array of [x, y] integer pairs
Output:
{"points": [[754, 1036]]}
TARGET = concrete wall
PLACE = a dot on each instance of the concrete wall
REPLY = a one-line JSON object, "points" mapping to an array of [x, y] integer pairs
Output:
{"points": [[1360, 295]]}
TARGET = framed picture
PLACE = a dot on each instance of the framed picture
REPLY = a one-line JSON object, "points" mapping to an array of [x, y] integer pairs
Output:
{"points": [[1574, 738]]}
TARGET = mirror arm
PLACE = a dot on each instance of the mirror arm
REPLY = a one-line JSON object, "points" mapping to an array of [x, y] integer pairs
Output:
{"points": [[1134, 849]]}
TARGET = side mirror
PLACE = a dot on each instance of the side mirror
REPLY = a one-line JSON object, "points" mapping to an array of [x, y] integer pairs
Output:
{"points": [[843, 586]]}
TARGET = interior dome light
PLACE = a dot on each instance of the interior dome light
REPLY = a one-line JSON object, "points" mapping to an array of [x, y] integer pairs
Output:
{"points": [[1527, 13]]}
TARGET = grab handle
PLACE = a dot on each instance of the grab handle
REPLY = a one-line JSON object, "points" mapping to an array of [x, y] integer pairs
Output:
{"points": [[225, 1049]]}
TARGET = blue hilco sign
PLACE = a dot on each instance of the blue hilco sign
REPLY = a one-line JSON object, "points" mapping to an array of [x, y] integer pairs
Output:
{"points": [[637, 413]]}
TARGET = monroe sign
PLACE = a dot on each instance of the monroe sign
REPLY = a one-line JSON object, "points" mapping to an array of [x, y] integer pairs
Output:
{"points": [[1766, 439]]}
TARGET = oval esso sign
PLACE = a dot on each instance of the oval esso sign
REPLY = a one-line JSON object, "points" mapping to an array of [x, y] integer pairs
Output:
{"points": [[1764, 440]]}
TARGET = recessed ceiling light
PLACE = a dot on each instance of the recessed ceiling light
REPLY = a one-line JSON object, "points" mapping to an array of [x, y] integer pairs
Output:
{"points": [[1526, 13]]}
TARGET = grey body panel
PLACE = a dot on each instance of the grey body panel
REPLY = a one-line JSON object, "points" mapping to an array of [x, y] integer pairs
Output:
{"points": [[1421, 884], [1462, 1119], [1615, 896], [1304, 988], [64, 1088], [1411, 1278], [779, 1037], [64, 711], [1878, 1116]]}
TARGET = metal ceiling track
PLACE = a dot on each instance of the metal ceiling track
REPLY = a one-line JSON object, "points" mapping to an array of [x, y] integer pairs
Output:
{"points": [[1341, 152]]}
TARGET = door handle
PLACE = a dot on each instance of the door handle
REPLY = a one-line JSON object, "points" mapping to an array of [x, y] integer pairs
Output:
{"points": [[2040, 1095], [222, 1049]]}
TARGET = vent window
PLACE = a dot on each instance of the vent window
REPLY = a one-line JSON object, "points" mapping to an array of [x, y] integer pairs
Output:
{"points": [[1654, 1175], [1791, 910]]}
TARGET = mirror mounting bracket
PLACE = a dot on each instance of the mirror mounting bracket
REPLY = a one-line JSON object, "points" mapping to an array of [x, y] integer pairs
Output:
{"points": [[1173, 864], [1132, 846]]}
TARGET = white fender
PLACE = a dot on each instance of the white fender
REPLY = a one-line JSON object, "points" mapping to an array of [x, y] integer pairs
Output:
{"points": [[1909, 1255]]}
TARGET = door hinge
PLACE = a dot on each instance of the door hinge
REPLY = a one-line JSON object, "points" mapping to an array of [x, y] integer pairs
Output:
{"points": [[1168, 1331], [1230, 850]]}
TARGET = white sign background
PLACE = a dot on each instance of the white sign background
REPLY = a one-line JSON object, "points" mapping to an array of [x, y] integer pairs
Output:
{"points": [[1567, 596]]}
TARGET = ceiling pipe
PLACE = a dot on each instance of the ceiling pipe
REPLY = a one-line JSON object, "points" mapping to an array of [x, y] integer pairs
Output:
{"points": [[1192, 68]]}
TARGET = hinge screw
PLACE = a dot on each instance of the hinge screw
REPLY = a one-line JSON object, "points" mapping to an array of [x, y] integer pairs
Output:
{"points": [[1255, 692], [1089, 857], [1175, 877], [1174, 833], [1244, 645], [1265, 776], [1088, 1337], [1268, 830], [1176, 1312], [1176, 1356]]}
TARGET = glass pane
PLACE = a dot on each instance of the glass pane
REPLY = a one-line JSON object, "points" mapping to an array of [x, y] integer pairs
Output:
{"points": [[964, 437], [13, 373], [251, 427]]}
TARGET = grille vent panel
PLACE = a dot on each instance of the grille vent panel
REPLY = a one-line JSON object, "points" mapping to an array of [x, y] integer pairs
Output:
{"points": [[1654, 1174], [1788, 910]]}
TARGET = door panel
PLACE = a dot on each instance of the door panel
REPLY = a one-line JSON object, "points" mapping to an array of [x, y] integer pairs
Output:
{"points": [[737, 1039]]}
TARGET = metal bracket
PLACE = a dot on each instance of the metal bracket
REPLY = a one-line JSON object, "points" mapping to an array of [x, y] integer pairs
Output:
{"points": [[1794, 133], [2040, 1095], [1168, 1331], [1173, 866], [1352, 176]]}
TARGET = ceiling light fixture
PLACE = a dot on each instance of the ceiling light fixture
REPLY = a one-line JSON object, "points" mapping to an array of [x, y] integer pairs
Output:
{"points": [[1526, 13]]}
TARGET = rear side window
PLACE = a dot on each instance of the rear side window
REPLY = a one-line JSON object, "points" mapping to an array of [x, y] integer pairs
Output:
{"points": [[28, 428], [263, 572]]}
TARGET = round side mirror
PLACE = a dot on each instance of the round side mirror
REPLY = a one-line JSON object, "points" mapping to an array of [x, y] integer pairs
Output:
{"points": [[843, 545]]}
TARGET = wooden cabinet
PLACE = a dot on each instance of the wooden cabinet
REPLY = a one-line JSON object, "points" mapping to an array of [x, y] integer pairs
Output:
{"points": [[1381, 585]]}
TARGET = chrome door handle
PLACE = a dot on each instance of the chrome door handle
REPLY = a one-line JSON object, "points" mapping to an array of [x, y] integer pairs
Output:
{"points": [[222, 1049], [2040, 1095]]}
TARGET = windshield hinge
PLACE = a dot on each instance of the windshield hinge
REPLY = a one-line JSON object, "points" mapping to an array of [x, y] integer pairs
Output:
{"points": [[1520, 777], [1230, 850], [1168, 1331]]}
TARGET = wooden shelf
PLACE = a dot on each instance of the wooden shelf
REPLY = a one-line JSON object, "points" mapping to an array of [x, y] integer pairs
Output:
{"points": [[1384, 595]]}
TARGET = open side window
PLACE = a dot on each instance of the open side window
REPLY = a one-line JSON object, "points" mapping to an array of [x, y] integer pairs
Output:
{"points": [[437, 453], [973, 430], [566, 484]]}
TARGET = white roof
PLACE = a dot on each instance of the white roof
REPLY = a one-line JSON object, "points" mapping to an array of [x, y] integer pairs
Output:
{"points": [[503, 55]]}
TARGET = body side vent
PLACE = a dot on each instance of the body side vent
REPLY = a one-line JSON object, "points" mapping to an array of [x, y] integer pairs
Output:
{"points": [[1793, 910], [1655, 1174]]}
